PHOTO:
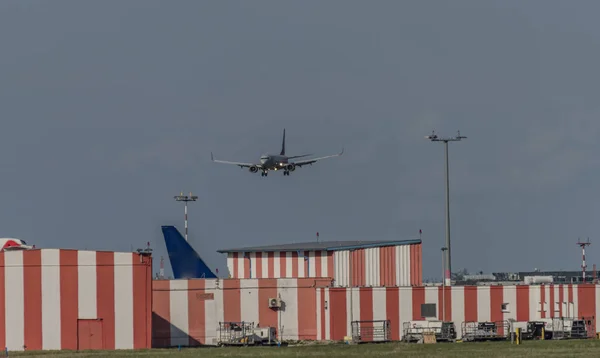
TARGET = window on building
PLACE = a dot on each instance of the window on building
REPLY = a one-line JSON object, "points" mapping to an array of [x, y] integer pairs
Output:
{"points": [[428, 310], [505, 307]]}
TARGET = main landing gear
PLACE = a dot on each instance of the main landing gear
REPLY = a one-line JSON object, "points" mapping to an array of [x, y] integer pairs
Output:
{"points": [[264, 173]]}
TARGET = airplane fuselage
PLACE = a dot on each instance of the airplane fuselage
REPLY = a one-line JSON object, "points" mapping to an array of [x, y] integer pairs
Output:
{"points": [[273, 161]]}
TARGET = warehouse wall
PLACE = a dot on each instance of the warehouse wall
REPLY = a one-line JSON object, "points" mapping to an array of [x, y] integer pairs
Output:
{"points": [[188, 311], [50, 297], [399, 265], [380, 266], [280, 264]]}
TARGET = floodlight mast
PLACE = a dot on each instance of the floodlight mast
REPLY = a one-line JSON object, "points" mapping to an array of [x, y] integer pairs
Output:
{"points": [[444, 249], [185, 199], [434, 138]]}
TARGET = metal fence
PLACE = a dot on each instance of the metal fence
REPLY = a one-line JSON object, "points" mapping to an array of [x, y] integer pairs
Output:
{"points": [[236, 333], [371, 331], [485, 331]]}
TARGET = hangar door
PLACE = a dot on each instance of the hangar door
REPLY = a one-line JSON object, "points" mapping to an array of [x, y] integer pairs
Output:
{"points": [[90, 334]]}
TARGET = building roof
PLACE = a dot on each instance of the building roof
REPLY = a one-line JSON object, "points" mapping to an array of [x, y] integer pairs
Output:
{"points": [[322, 246]]}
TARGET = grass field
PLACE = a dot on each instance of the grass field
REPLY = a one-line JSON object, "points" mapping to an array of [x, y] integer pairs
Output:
{"points": [[573, 348]]}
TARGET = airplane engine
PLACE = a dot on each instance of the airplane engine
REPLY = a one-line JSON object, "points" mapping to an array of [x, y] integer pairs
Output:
{"points": [[291, 167], [253, 169]]}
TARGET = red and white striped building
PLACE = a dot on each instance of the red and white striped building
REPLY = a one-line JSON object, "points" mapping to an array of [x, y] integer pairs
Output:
{"points": [[187, 312], [69, 299], [53, 299], [349, 263]]}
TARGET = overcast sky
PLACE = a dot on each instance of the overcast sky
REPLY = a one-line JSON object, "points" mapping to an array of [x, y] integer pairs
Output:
{"points": [[110, 108]]}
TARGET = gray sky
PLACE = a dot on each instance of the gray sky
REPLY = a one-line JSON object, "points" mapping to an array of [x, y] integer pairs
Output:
{"points": [[110, 108]]}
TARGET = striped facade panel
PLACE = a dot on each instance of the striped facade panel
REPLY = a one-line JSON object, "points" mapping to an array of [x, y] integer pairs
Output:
{"points": [[314, 310], [48, 295], [188, 312], [380, 266], [290, 264], [371, 267]]}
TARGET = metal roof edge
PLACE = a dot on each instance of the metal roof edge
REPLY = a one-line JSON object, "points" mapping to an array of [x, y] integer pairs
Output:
{"points": [[331, 248], [228, 251], [378, 244]]}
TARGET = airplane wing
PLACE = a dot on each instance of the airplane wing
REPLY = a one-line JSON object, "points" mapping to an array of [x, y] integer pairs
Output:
{"points": [[241, 165], [313, 160]]}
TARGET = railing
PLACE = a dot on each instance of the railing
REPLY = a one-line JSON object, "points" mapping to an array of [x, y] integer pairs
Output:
{"points": [[371, 331], [485, 331]]}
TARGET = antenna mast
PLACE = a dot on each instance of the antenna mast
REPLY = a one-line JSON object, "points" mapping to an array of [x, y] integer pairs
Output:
{"points": [[583, 245], [161, 273]]}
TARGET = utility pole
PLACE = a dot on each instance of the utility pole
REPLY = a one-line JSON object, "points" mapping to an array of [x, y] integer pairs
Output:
{"points": [[434, 138], [185, 199], [444, 249]]}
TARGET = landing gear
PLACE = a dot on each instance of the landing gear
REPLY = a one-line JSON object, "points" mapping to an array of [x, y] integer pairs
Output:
{"points": [[264, 173], [286, 172]]}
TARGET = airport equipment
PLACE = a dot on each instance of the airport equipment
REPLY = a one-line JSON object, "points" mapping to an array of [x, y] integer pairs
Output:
{"points": [[415, 331], [245, 334]]}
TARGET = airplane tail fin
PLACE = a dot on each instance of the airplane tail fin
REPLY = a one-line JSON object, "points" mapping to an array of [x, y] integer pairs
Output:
{"points": [[185, 261], [283, 144]]}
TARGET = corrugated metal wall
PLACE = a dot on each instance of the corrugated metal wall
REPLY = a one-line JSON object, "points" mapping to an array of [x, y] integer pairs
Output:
{"points": [[189, 311], [380, 266], [280, 264], [45, 294]]}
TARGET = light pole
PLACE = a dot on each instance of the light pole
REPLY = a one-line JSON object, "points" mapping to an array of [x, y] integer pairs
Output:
{"points": [[434, 138], [185, 199], [444, 249]]}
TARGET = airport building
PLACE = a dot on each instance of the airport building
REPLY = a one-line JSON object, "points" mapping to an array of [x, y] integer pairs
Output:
{"points": [[348, 263], [312, 309], [54, 299]]}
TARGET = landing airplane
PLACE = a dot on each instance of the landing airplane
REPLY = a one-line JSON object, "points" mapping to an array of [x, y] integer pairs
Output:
{"points": [[277, 162]]}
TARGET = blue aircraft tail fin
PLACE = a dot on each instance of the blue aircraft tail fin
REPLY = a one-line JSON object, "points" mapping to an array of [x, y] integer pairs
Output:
{"points": [[185, 261]]}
